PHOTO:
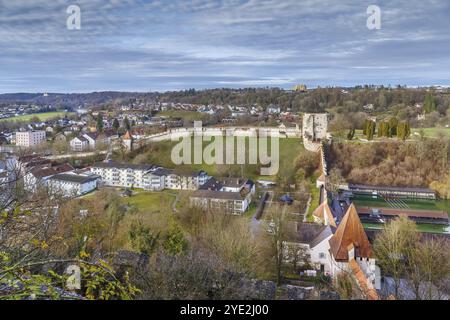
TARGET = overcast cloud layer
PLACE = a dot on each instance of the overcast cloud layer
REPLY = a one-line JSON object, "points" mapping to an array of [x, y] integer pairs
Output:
{"points": [[137, 45]]}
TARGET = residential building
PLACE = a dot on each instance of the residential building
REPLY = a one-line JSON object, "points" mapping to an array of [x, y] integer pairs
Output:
{"points": [[39, 175], [72, 185], [79, 143], [155, 179], [121, 175], [30, 138], [91, 140], [177, 180], [227, 195], [342, 249], [220, 201]]}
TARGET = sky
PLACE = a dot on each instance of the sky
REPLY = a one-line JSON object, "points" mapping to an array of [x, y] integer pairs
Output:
{"points": [[137, 45]]}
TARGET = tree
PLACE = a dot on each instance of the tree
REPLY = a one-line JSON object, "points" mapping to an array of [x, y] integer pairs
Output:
{"points": [[141, 238], [393, 246], [383, 130], [369, 129], [428, 268], [393, 123], [278, 232], [334, 180], [175, 242], [126, 124], [429, 104], [100, 122], [351, 134], [403, 130], [116, 124]]}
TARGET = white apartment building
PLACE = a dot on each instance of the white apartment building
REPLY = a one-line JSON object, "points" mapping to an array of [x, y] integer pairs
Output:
{"points": [[186, 181], [79, 143], [148, 177], [30, 138], [72, 185], [122, 175]]}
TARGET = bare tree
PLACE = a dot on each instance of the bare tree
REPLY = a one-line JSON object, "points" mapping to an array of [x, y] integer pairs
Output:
{"points": [[393, 246]]}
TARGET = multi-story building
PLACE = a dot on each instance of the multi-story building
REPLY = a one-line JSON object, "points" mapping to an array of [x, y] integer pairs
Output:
{"points": [[79, 144], [186, 181], [155, 179], [221, 201], [148, 177], [224, 195], [72, 185], [30, 138], [39, 175], [122, 175]]}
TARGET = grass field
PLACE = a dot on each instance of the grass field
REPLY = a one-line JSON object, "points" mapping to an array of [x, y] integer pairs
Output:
{"points": [[427, 228], [42, 116], [160, 153], [441, 205], [151, 202], [432, 132]]}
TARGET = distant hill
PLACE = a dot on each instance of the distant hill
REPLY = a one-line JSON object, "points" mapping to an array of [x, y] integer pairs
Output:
{"points": [[72, 100]]}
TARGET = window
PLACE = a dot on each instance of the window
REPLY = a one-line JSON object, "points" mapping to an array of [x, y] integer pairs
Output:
{"points": [[321, 255]]}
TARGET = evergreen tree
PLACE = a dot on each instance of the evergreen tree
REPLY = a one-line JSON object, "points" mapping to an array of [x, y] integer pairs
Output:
{"points": [[429, 104], [351, 134], [403, 131], [393, 123], [370, 129], [99, 122], [116, 124], [126, 124]]}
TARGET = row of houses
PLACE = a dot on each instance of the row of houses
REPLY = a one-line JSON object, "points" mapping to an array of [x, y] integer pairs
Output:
{"points": [[59, 179], [230, 195]]}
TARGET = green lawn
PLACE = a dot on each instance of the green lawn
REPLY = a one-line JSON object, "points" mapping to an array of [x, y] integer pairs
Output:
{"points": [[427, 228], [149, 202], [433, 132], [42, 116], [160, 153], [441, 205]]}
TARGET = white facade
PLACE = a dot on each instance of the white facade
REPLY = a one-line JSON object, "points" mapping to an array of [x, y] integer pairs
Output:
{"points": [[187, 182], [71, 185], [121, 176], [30, 138], [79, 144]]}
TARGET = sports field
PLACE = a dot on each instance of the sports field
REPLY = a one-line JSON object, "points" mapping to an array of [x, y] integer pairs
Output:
{"points": [[42, 116], [367, 201], [438, 205]]}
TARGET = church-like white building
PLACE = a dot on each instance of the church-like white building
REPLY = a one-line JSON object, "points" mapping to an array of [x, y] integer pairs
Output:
{"points": [[334, 249]]}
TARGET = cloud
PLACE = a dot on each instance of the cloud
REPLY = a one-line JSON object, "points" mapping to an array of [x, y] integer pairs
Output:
{"points": [[139, 44]]}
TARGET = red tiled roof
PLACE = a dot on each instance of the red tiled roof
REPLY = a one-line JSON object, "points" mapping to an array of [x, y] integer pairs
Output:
{"points": [[350, 231], [369, 293], [322, 210]]}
